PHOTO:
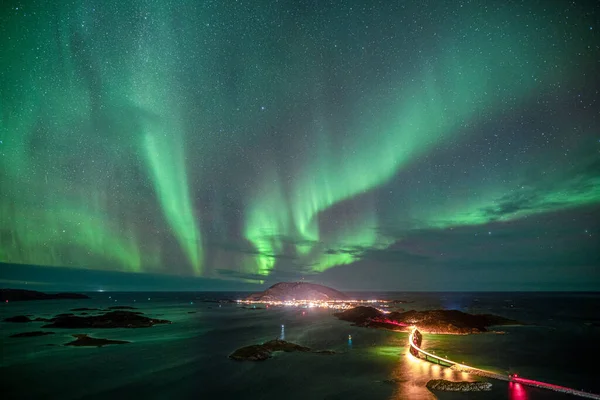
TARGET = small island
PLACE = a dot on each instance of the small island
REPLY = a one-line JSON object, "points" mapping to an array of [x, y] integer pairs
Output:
{"points": [[83, 340], [31, 334], [29, 295], [18, 319], [261, 352]]}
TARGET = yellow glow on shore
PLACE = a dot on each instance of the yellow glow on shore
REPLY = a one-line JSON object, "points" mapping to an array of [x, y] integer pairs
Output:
{"points": [[333, 304]]}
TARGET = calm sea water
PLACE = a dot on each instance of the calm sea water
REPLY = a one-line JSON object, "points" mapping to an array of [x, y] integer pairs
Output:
{"points": [[188, 359]]}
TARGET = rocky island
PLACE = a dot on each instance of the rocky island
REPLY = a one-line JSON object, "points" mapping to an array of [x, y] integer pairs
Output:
{"points": [[287, 291], [261, 352], [112, 319], [431, 321], [28, 295]]}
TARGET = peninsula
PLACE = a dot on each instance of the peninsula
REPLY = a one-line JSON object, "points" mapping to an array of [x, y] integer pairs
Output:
{"points": [[431, 321]]}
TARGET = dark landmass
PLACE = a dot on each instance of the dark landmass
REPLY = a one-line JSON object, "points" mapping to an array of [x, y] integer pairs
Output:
{"points": [[27, 295], [401, 301], [282, 345], [84, 309], [260, 352], [42, 319], [122, 308], [83, 340], [113, 319], [360, 315], [32, 334], [451, 321], [63, 315], [18, 318], [448, 386], [285, 291], [432, 321], [256, 352]]}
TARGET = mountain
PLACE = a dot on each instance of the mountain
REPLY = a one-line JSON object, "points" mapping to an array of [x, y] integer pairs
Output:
{"points": [[284, 291]]}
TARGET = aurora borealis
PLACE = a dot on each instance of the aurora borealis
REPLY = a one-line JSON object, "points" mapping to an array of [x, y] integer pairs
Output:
{"points": [[348, 141]]}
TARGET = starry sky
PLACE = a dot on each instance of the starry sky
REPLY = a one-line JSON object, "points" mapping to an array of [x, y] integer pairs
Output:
{"points": [[393, 145]]}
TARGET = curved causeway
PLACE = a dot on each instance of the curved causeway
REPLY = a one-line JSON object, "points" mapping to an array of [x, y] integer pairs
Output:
{"points": [[415, 340]]}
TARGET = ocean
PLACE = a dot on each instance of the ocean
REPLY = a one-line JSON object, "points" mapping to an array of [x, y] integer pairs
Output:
{"points": [[188, 359]]}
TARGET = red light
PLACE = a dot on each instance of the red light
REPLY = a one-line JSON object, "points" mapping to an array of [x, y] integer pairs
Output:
{"points": [[516, 392]]}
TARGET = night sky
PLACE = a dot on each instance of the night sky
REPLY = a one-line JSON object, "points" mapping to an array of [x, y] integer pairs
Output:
{"points": [[393, 145]]}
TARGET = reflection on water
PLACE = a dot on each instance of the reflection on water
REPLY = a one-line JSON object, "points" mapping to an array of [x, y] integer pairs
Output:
{"points": [[412, 374], [516, 391]]}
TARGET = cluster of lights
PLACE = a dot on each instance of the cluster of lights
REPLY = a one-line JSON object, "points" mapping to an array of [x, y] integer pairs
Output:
{"points": [[333, 304]]}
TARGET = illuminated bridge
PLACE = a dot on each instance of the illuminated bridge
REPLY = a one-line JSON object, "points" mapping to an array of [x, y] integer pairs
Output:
{"points": [[415, 339]]}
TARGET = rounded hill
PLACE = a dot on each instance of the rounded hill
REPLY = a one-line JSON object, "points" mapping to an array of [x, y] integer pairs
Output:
{"points": [[288, 291]]}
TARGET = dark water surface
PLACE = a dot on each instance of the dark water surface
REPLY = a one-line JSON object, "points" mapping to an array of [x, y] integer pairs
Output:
{"points": [[188, 359]]}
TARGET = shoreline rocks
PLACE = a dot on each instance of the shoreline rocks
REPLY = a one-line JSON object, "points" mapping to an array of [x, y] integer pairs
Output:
{"points": [[443, 385]]}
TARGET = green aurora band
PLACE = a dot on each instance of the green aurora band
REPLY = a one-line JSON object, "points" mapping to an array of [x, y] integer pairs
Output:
{"points": [[110, 137], [459, 88], [155, 93]]}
